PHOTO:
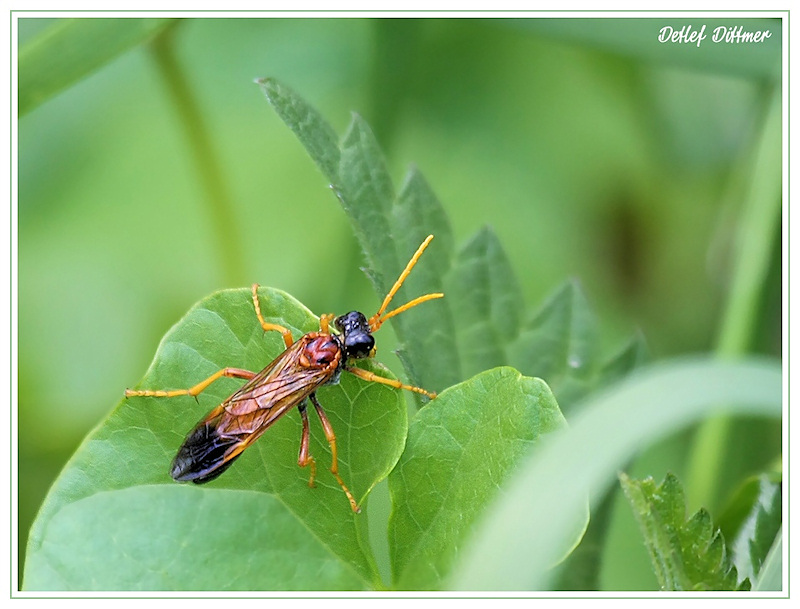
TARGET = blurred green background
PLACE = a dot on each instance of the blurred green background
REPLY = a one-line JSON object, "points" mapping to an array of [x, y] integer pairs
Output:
{"points": [[593, 151]]}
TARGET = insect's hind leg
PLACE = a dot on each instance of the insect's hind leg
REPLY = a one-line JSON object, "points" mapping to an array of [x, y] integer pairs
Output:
{"points": [[331, 437], [193, 391], [305, 457], [286, 333]]}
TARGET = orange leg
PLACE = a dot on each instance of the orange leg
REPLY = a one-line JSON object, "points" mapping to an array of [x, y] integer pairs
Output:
{"points": [[305, 457], [372, 377], [325, 321], [287, 335], [331, 437], [193, 391]]}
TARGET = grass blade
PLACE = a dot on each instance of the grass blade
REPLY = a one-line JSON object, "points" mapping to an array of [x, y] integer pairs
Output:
{"points": [[608, 431]]}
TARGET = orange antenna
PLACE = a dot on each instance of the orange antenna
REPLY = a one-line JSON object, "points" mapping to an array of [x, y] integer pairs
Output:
{"points": [[377, 320]]}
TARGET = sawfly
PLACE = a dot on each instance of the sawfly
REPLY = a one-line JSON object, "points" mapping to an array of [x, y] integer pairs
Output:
{"points": [[291, 379]]}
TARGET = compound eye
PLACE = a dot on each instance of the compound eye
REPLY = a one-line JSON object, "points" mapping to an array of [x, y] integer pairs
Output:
{"points": [[359, 345]]}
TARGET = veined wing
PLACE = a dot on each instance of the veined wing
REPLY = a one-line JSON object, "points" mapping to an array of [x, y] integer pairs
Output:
{"points": [[230, 428]]}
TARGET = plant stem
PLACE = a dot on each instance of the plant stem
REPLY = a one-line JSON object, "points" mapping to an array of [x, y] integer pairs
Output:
{"points": [[757, 228], [219, 205]]}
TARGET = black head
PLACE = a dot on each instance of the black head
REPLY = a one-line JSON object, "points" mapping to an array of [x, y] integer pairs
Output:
{"points": [[356, 336]]}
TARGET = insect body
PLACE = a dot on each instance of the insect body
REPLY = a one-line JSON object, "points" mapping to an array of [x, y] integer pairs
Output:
{"points": [[291, 379]]}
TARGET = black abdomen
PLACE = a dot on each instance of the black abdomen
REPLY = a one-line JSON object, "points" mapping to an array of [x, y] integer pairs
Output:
{"points": [[201, 458]]}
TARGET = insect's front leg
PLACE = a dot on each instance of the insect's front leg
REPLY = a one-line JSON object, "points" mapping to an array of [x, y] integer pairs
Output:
{"points": [[286, 333], [325, 322], [374, 378], [193, 391]]}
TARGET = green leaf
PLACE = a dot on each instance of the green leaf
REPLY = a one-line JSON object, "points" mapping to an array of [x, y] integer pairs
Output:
{"points": [[607, 431], [756, 238], [581, 569], [686, 554], [356, 171], [751, 520], [461, 448], [479, 324], [632, 355], [771, 575], [490, 303], [313, 131], [559, 344], [389, 228], [167, 537], [365, 190], [561, 334], [431, 351], [73, 49], [115, 504]]}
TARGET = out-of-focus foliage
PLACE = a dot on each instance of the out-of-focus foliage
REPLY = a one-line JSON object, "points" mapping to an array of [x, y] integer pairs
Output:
{"points": [[73, 49]]}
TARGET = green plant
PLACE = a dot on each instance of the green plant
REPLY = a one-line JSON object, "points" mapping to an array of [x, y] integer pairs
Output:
{"points": [[136, 530], [690, 554], [115, 508], [490, 420]]}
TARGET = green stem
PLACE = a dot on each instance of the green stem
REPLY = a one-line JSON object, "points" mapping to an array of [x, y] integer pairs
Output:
{"points": [[219, 205], [758, 227]]}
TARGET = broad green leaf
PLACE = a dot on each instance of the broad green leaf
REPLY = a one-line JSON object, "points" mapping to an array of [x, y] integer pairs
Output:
{"points": [[751, 520], [686, 554], [607, 431], [73, 49], [310, 535], [460, 450], [161, 537]]}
